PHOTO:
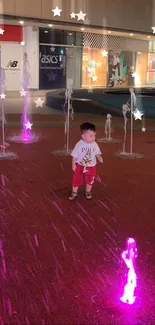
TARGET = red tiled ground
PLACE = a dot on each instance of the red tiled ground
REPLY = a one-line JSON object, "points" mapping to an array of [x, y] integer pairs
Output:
{"points": [[62, 258]]}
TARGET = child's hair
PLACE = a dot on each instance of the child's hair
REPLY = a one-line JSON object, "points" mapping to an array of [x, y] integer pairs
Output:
{"points": [[87, 126]]}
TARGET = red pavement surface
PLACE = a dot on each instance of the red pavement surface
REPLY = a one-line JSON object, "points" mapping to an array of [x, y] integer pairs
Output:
{"points": [[60, 260]]}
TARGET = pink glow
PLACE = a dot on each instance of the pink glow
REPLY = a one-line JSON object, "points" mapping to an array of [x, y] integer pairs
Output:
{"points": [[129, 256], [26, 134]]}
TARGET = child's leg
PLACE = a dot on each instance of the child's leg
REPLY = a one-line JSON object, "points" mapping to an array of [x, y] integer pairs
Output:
{"points": [[88, 188], [89, 180], [77, 181], [74, 193], [75, 189]]}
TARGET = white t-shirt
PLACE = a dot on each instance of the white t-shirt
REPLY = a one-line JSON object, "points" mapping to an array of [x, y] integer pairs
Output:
{"points": [[85, 153]]}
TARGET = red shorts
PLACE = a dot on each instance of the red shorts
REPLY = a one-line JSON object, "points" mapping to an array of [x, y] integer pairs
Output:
{"points": [[79, 177]]}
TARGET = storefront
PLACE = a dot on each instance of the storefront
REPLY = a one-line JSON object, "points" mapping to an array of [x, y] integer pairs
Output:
{"points": [[10, 57], [60, 58], [19, 46], [90, 60], [114, 65]]}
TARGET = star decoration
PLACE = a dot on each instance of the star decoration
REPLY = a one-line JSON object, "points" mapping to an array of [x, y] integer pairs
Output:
{"points": [[28, 125], [23, 93], [94, 78], [81, 15], [89, 69], [22, 43], [153, 28], [56, 11], [2, 96], [143, 129], [39, 102], [73, 15], [104, 53], [134, 74], [1, 31], [137, 114], [52, 49], [85, 58]]}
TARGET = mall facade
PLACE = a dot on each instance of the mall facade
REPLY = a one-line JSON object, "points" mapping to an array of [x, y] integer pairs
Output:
{"points": [[112, 45]]}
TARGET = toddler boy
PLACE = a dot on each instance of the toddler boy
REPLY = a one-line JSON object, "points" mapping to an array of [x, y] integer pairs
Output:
{"points": [[84, 160]]}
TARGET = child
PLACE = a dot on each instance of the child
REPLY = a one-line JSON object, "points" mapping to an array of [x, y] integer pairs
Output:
{"points": [[84, 160]]}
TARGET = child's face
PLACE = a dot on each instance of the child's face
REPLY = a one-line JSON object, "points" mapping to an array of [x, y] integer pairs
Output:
{"points": [[89, 136]]}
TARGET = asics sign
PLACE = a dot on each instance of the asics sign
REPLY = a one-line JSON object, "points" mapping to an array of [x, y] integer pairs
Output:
{"points": [[47, 59]]}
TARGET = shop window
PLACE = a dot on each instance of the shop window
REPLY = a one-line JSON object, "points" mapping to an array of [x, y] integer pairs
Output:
{"points": [[110, 69], [52, 67], [141, 69], [151, 69], [57, 36], [79, 39], [151, 46], [51, 36], [70, 38], [94, 68]]}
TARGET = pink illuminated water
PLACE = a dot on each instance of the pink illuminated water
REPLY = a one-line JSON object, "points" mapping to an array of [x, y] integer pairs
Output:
{"points": [[129, 256], [26, 131]]}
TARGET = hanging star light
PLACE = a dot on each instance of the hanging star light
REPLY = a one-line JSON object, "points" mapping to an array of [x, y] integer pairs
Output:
{"points": [[81, 15], [89, 69], [1, 31], [137, 114], [28, 125], [39, 102], [2, 96], [104, 53], [153, 28], [143, 129], [136, 78], [73, 15], [94, 78], [85, 57], [23, 93], [56, 11], [22, 43], [134, 74]]}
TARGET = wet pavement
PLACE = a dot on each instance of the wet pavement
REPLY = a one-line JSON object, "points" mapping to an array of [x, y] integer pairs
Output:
{"points": [[59, 260]]}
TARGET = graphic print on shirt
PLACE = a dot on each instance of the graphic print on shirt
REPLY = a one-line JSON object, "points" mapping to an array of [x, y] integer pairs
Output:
{"points": [[87, 159], [85, 154]]}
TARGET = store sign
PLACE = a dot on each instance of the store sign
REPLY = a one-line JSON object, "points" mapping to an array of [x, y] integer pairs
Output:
{"points": [[52, 70], [12, 33], [48, 59], [11, 62]]}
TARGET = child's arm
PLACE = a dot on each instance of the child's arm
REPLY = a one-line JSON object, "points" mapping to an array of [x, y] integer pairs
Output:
{"points": [[98, 153], [99, 157], [74, 164]]}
